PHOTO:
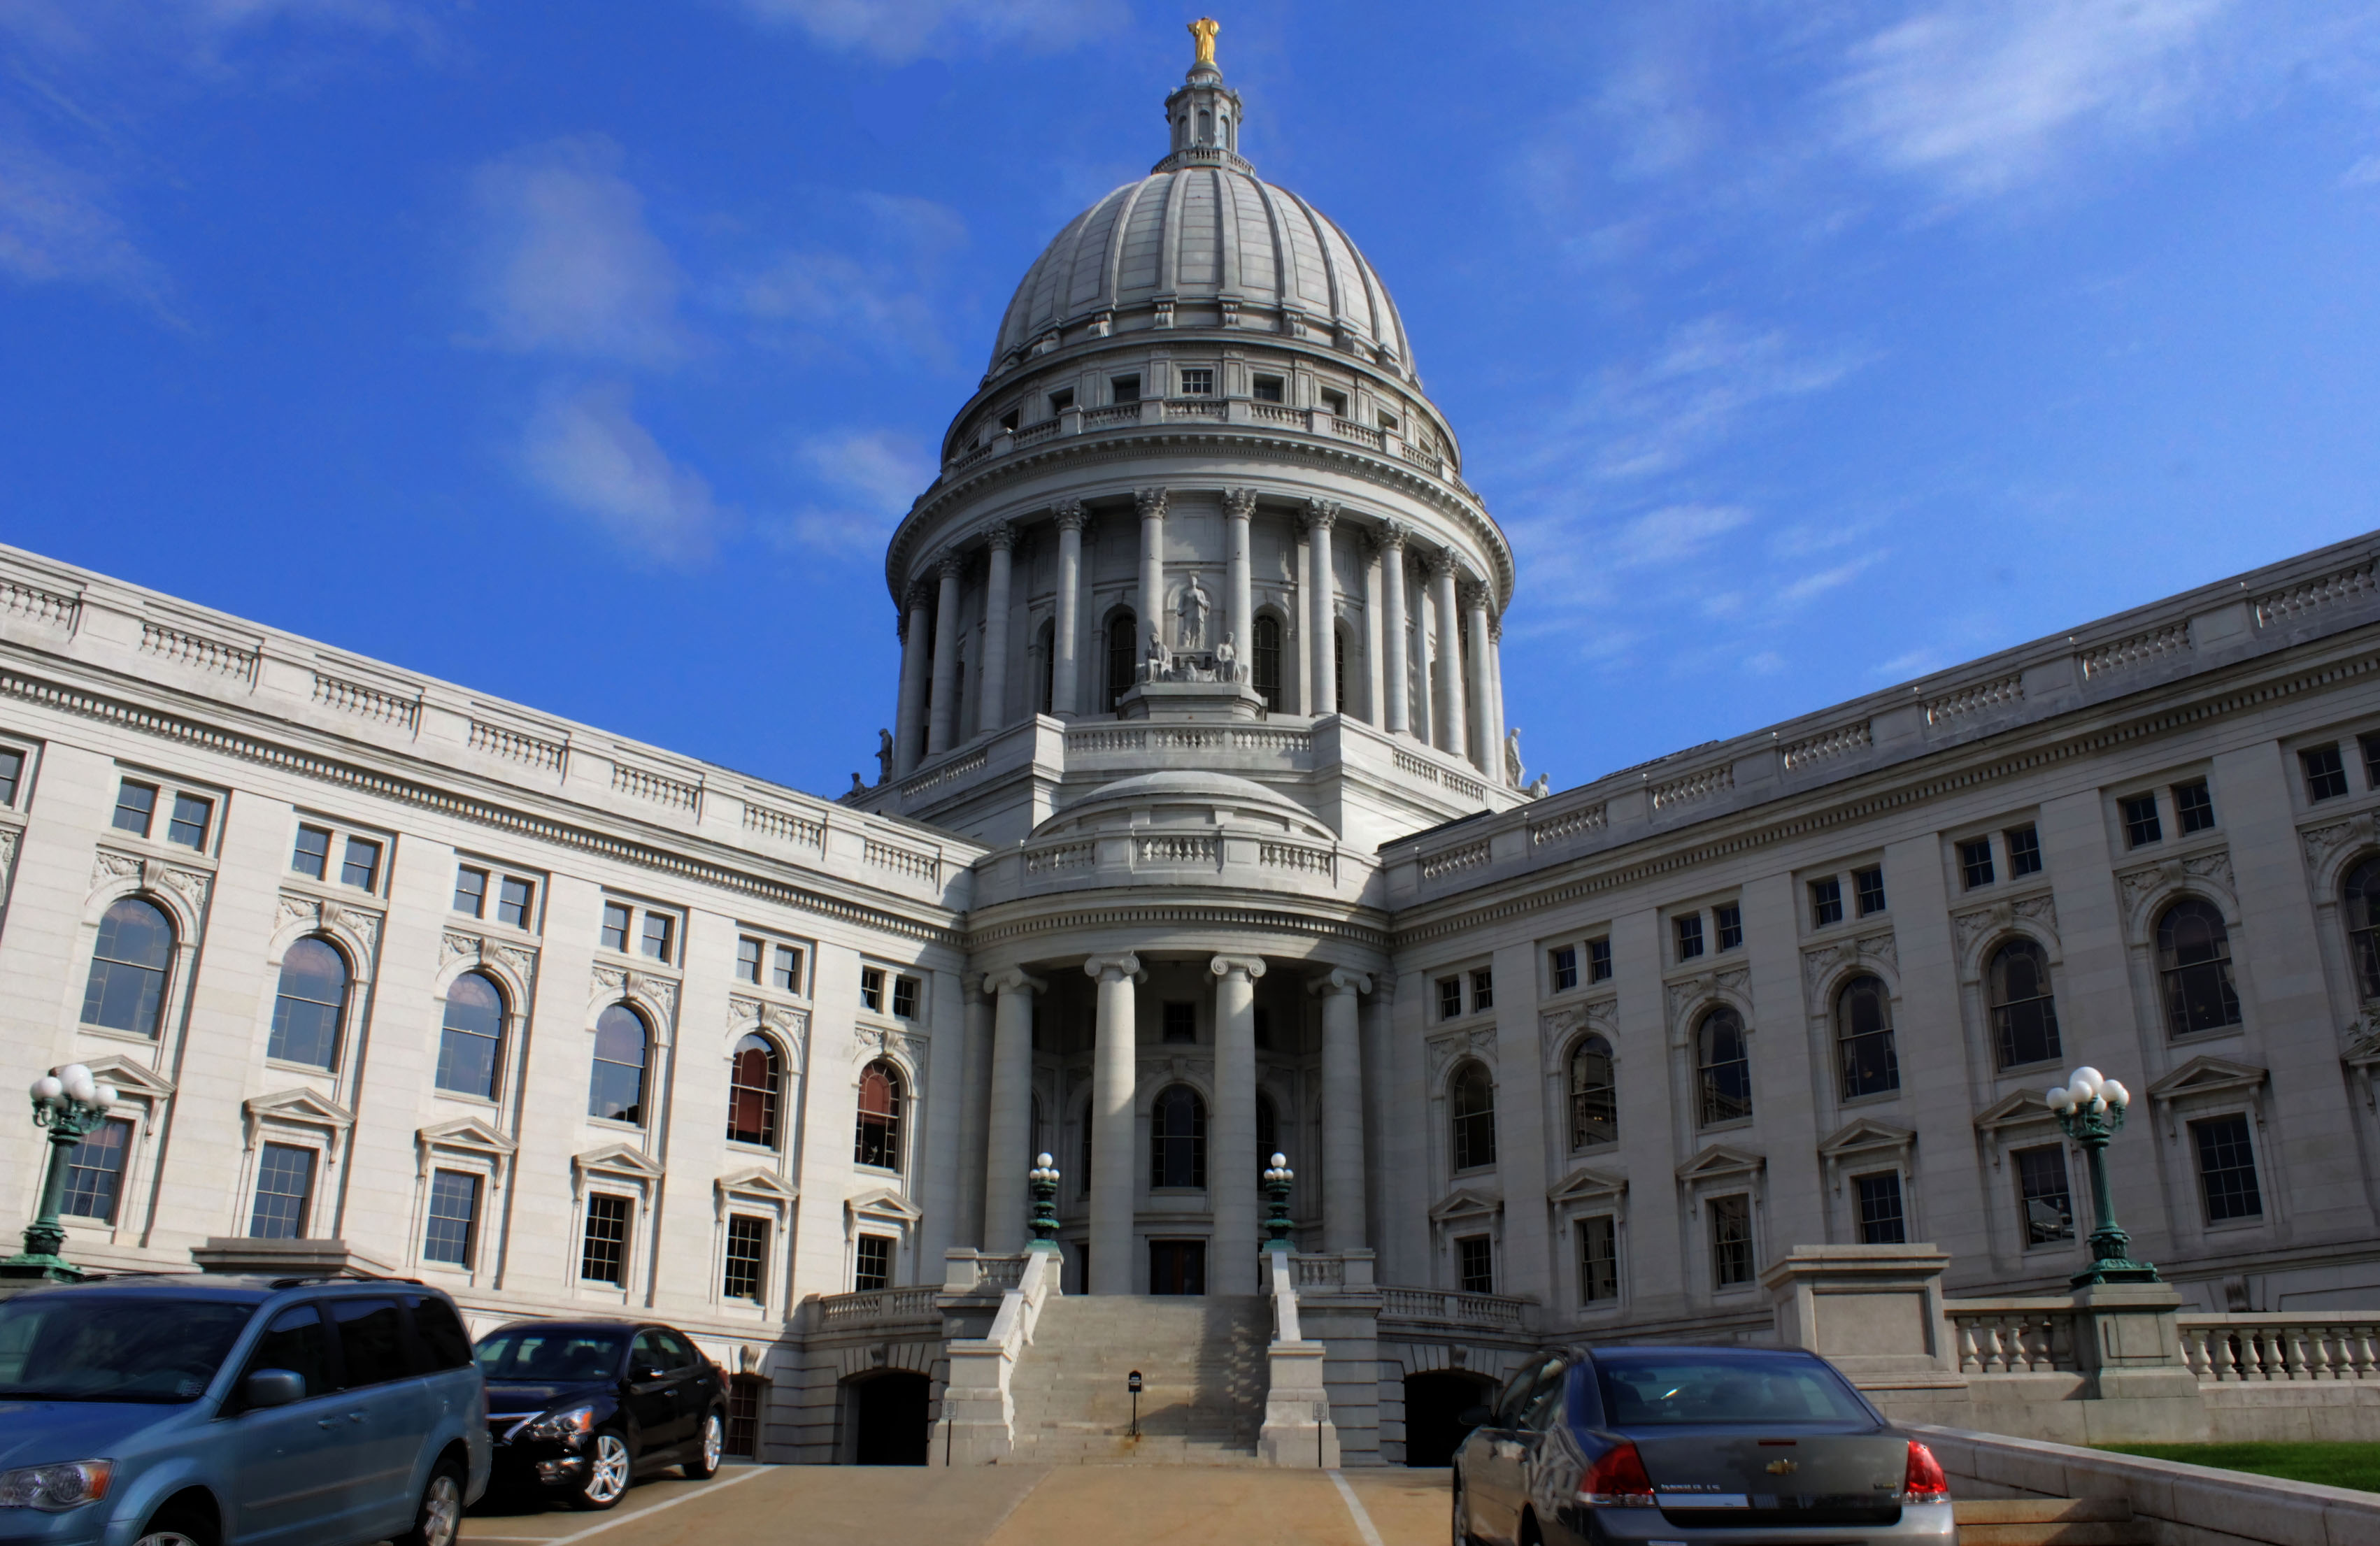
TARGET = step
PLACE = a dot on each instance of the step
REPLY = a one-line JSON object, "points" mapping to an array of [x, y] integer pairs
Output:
{"points": [[2073, 1533], [2042, 1511]]}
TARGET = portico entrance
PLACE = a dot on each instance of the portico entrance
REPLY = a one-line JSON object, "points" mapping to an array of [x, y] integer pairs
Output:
{"points": [[1177, 1267]]}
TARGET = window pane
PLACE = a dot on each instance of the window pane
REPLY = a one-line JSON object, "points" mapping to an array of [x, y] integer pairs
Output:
{"points": [[135, 804], [1975, 862], [1594, 1103], [1869, 1062], [310, 1004], [1729, 919], [752, 1092], [2024, 1015], [127, 989], [1476, 1262], [2194, 964], [2192, 806], [191, 816], [470, 1037], [617, 1087], [2360, 901], [1880, 1216], [1563, 965], [1826, 902], [905, 997], [453, 1217], [471, 890], [1731, 1227], [2226, 1169], [1598, 1260], [12, 773], [2326, 774], [2048, 1209], [878, 1139], [874, 1268], [1178, 1139], [2141, 820], [1180, 1023], [658, 926], [788, 976], [311, 857], [1483, 991], [2023, 851], [1472, 1106], [604, 1257], [1450, 998], [296, 1341], [1870, 884], [514, 902], [871, 988], [96, 1172], [285, 1187], [747, 1251], [1690, 936], [615, 926], [749, 952], [1598, 960], [1726, 1068], [360, 867]]}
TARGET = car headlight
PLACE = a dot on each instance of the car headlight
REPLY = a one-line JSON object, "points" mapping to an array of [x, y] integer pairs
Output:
{"points": [[68, 1484], [566, 1423]]}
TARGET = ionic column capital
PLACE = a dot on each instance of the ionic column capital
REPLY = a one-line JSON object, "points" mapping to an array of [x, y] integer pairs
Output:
{"points": [[1000, 536], [1239, 503], [1015, 979], [1341, 980], [1150, 502], [1250, 966], [1068, 515], [1119, 967]]}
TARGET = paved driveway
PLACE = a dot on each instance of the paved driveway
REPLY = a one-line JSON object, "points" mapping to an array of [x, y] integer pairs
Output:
{"points": [[1000, 1505]]}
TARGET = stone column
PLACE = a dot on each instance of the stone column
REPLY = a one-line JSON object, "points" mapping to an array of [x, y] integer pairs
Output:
{"points": [[1496, 684], [1151, 606], [1343, 1111], [1239, 506], [1487, 735], [1232, 1170], [1425, 719], [1297, 656], [1065, 635], [942, 717], [1010, 1135], [974, 1084], [909, 739], [1114, 1072], [1449, 683], [1374, 677], [1322, 605], [1394, 645], [992, 706]]}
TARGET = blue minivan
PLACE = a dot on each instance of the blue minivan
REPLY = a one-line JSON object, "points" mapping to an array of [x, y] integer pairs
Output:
{"points": [[204, 1410]]}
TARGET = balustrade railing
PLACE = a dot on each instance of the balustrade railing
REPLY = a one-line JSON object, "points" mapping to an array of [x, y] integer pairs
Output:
{"points": [[1448, 1307], [2280, 1348], [2013, 1336], [873, 1305]]}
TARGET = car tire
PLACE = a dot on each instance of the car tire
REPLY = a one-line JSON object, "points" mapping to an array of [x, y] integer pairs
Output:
{"points": [[710, 1444], [611, 1471], [438, 1516], [1461, 1520], [177, 1527]]}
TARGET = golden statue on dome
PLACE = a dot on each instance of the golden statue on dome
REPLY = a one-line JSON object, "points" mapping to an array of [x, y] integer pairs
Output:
{"points": [[1204, 29]]}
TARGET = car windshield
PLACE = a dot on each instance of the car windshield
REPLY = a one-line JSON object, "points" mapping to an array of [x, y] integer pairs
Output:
{"points": [[1721, 1387], [85, 1346], [538, 1356]]}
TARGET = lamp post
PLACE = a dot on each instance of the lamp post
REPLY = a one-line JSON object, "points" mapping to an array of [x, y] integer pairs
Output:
{"points": [[69, 1101], [1276, 1180], [2090, 1108], [1043, 1179]]}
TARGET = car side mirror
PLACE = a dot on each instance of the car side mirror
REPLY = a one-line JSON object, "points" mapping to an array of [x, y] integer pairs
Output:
{"points": [[1474, 1416], [273, 1387]]}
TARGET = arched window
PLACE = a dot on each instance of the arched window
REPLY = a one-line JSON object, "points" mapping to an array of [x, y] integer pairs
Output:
{"points": [[1047, 643], [1723, 1066], [1267, 1135], [1864, 1039], [1123, 653], [1339, 668], [753, 1079], [1264, 668], [616, 1088], [2024, 1014], [1473, 1102], [2362, 900], [1594, 1103], [306, 1010], [1177, 1139], [471, 1038], [127, 991], [879, 1140], [2195, 958]]}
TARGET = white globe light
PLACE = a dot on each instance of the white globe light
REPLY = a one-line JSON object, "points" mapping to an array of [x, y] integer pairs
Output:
{"points": [[2060, 1098], [73, 1074], [47, 1088], [1044, 1162], [107, 1093], [2086, 1078], [1281, 1161], [2115, 1094]]}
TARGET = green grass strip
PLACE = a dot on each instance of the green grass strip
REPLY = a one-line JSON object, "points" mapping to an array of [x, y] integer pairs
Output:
{"points": [[2332, 1465]]}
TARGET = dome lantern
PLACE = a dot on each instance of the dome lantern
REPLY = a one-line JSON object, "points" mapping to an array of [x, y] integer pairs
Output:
{"points": [[1204, 113]]}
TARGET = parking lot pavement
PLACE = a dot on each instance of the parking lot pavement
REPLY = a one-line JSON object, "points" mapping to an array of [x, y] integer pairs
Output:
{"points": [[996, 1505]]}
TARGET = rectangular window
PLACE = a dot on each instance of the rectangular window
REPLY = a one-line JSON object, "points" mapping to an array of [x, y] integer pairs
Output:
{"points": [[1562, 964], [1975, 862], [905, 997], [1826, 902], [285, 1187], [135, 805], [748, 1255], [1881, 1220], [1198, 383], [2023, 851], [615, 926], [1008, 420], [1476, 1259], [1388, 422], [453, 1217], [2192, 806], [1690, 935], [1731, 1235], [1334, 403], [873, 1266], [311, 858], [193, 815], [659, 926], [12, 774], [786, 977], [2042, 1196], [1483, 990], [748, 954], [2370, 743], [2141, 820], [1267, 389], [1450, 998], [2226, 1169], [1869, 884], [1123, 389], [744, 1416], [96, 1172], [471, 890], [1061, 400], [516, 901], [1598, 960], [603, 1256], [871, 988], [1729, 919], [2325, 775], [360, 866], [1180, 1023], [1598, 1260]]}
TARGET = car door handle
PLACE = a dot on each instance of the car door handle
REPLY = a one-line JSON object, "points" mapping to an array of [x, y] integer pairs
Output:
{"points": [[326, 1424], [355, 1416]]}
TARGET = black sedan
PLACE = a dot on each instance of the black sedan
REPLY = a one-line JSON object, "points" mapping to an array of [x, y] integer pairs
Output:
{"points": [[582, 1409], [1713, 1445]]}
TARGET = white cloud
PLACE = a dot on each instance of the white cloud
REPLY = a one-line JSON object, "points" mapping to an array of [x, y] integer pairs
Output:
{"points": [[899, 31], [864, 481], [883, 293], [55, 224], [2363, 174], [584, 448], [566, 262], [1670, 535]]}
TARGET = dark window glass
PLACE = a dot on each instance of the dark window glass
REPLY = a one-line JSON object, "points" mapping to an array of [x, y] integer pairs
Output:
{"points": [[136, 805], [744, 1416], [96, 1172], [1598, 960], [878, 1141], [472, 1037], [2024, 1012], [547, 1356], [1483, 991], [1264, 1027], [905, 997], [1721, 1387], [1177, 1139], [659, 926], [1266, 667], [1180, 1023], [1881, 1222], [1826, 902], [191, 816], [306, 1010], [1198, 383], [1869, 884], [285, 1190], [748, 1255], [1123, 389], [2369, 743], [1975, 862], [1334, 403], [1864, 1051], [1561, 964], [1729, 919], [2325, 775], [1267, 389], [514, 901], [1723, 1057], [471, 890], [2192, 806], [1268, 1136], [311, 857], [754, 1081], [2226, 1169], [787, 977], [748, 954], [296, 1341], [616, 927], [615, 1088], [2023, 851], [1594, 1099], [126, 990], [1475, 1257], [1450, 998], [1124, 654], [1473, 1104], [604, 1258], [2361, 897], [2194, 961], [1598, 1260], [2141, 825], [1690, 935], [2042, 1195], [871, 988], [439, 1332], [873, 1265], [1061, 400], [360, 866], [1730, 1228], [12, 773], [453, 1217]]}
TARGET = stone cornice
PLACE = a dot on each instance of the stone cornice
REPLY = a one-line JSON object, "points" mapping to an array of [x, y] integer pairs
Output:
{"points": [[1010, 921]]}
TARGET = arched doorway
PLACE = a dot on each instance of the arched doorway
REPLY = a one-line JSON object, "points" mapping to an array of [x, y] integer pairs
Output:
{"points": [[1434, 1404], [887, 1413]]}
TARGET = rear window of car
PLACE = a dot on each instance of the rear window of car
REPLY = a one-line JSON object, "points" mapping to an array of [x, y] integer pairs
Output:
{"points": [[531, 1354], [1720, 1387], [440, 1334]]}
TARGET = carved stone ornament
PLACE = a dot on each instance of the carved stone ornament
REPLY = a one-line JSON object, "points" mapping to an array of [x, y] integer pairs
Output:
{"points": [[108, 867], [1451, 1047], [8, 858], [1178, 1067], [1683, 994], [612, 982], [364, 925], [455, 946], [791, 1024], [2039, 910], [2321, 843], [2362, 1036], [1817, 964], [874, 1041], [2214, 867]]}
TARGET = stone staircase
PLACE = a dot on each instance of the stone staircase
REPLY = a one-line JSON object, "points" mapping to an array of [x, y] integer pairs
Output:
{"points": [[2047, 1522], [1202, 1366]]}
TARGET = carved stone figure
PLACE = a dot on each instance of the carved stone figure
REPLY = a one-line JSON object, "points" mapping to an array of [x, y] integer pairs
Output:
{"points": [[1512, 769], [1193, 607], [1227, 659], [884, 757]]}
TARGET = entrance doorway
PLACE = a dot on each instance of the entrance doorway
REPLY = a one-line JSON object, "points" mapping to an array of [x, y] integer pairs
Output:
{"points": [[1177, 1267], [887, 1418], [1434, 1402]]}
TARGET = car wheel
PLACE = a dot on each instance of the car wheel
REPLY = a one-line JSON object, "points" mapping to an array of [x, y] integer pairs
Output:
{"points": [[609, 1471], [177, 1529], [1461, 1518], [703, 1464], [438, 1518]]}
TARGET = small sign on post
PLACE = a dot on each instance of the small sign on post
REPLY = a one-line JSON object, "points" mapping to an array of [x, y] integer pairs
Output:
{"points": [[1132, 1383]]}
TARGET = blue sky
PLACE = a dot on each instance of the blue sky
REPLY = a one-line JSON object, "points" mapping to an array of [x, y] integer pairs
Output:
{"points": [[584, 354]]}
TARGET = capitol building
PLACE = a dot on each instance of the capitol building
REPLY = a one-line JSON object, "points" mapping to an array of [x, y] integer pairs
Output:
{"points": [[1198, 836]]}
